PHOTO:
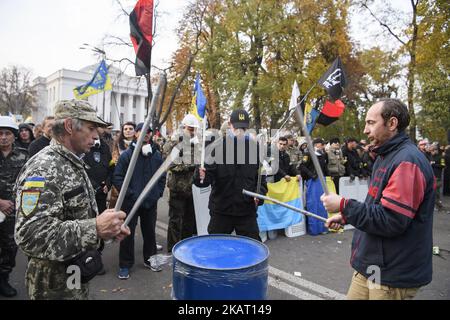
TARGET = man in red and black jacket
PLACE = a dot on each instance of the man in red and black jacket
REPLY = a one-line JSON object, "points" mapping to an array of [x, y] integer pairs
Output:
{"points": [[392, 246]]}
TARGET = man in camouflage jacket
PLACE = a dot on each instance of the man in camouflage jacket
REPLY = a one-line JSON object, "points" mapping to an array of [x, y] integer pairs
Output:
{"points": [[12, 159], [182, 223], [57, 216], [293, 151]]}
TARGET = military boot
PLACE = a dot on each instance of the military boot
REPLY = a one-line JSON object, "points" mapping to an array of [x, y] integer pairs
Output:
{"points": [[5, 288]]}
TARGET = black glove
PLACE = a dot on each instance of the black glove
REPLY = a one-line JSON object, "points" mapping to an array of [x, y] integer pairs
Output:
{"points": [[352, 177]]}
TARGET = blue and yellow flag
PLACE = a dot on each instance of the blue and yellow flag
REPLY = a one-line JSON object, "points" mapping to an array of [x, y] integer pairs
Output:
{"points": [[198, 106], [313, 204], [310, 117], [99, 82], [272, 216]]}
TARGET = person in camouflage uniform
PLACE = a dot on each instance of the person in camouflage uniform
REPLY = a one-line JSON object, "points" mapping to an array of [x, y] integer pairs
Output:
{"points": [[182, 223], [57, 216], [293, 151], [12, 159], [336, 162]]}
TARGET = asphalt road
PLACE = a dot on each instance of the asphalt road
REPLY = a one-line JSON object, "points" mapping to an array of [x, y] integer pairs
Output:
{"points": [[305, 267]]}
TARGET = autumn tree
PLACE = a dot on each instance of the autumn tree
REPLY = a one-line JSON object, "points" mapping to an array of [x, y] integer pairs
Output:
{"points": [[407, 35], [433, 68]]}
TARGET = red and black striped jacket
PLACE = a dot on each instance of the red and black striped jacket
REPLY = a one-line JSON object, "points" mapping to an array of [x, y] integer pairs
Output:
{"points": [[394, 224]]}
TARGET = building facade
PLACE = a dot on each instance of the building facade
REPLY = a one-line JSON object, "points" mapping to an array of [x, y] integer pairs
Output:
{"points": [[125, 102]]}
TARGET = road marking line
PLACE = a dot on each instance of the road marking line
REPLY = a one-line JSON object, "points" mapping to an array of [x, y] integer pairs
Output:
{"points": [[293, 291], [307, 284]]}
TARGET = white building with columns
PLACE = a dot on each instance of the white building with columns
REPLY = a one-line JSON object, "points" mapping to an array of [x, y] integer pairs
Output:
{"points": [[125, 102]]}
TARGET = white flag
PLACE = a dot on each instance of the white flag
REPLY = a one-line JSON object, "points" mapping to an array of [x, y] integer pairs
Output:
{"points": [[294, 97]]}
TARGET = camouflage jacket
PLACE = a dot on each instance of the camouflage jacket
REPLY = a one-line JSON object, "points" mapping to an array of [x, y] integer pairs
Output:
{"points": [[55, 219], [181, 173], [336, 163], [9, 169], [295, 156]]}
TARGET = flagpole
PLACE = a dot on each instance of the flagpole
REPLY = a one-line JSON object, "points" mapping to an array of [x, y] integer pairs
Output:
{"points": [[292, 111], [149, 85], [136, 151], [266, 198], [202, 161], [104, 95], [312, 152]]}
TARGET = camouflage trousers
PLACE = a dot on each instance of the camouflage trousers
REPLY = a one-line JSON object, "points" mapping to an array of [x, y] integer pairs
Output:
{"points": [[8, 247], [182, 222], [48, 280]]}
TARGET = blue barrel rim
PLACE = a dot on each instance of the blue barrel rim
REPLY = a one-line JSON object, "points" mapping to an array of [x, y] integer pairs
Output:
{"points": [[180, 243]]}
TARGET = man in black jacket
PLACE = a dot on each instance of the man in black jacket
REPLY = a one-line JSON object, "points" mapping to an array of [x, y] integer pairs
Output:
{"points": [[43, 141], [353, 164], [99, 171], [234, 168], [286, 170], [307, 168], [447, 171], [437, 163], [25, 137], [148, 162]]}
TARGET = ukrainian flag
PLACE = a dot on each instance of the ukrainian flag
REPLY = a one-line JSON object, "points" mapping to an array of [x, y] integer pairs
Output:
{"points": [[310, 117], [198, 106], [34, 182], [313, 204], [99, 82], [272, 216]]}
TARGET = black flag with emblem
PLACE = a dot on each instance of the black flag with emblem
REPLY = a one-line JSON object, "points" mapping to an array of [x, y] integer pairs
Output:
{"points": [[334, 79]]}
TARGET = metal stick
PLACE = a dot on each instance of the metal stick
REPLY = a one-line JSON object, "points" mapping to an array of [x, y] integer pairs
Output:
{"points": [[304, 212], [291, 112], [202, 159], [312, 152], [262, 149], [174, 154], [137, 149]]}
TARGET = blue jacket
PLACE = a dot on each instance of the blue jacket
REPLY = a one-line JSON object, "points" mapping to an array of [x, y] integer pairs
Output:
{"points": [[394, 225], [146, 166]]}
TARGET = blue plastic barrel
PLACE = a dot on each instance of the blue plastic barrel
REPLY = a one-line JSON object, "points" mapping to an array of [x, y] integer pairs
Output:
{"points": [[220, 267]]}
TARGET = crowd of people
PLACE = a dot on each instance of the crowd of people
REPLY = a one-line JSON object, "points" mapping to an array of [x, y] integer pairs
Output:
{"points": [[352, 159], [59, 183]]}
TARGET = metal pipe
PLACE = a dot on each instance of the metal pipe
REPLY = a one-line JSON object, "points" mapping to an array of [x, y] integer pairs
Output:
{"points": [[304, 212], [155, 178], [137, 149], [312, 152]]}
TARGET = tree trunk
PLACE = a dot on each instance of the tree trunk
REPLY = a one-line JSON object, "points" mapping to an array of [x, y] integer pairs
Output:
{"points": [[412, 73], [255, 103]]}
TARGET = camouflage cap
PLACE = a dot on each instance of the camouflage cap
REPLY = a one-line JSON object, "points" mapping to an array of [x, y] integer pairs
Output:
{"points": [[78, 109]]}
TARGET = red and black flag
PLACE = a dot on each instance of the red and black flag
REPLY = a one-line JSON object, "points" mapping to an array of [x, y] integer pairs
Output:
{"points": [[334, 79], [141, 33], [331, 112]]}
